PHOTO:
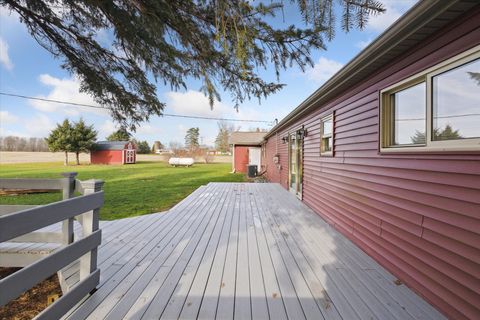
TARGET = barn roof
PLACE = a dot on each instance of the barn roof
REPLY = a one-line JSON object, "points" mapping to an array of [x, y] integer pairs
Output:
{"points": [[110, 145], [247, 138]]}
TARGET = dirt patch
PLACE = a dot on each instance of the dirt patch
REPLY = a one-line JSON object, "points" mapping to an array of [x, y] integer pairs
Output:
{"points": [[32, 302], [15, 192]]}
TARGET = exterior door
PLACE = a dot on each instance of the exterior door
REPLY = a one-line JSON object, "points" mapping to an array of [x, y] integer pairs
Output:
{"points": [[295, 159], [254, 155], [130, 156]]}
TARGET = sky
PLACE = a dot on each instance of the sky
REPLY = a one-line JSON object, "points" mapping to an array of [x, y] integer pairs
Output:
{"points": [[28, 69]]}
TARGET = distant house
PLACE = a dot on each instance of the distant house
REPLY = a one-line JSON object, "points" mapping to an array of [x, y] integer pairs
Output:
{"points": [[113, 152], [246, 148]]}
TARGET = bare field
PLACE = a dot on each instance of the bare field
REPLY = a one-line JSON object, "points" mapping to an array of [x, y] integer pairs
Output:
{"points": [[32, 157]]}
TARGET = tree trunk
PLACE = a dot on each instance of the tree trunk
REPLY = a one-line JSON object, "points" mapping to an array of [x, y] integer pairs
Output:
{"points": [[66, 158], [77, 154]]}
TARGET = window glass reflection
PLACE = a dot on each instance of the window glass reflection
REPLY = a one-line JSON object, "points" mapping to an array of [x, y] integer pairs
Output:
{"points": [[328, 127], [456, 103], [409, 109]]}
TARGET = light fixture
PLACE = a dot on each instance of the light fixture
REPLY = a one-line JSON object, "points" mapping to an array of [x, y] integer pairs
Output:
{"points": [[302, 132], [285, 139]]}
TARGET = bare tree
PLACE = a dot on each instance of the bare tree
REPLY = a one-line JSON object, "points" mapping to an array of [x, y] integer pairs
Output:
{"points": [[14, 143], [225, 129], [177, 149]]}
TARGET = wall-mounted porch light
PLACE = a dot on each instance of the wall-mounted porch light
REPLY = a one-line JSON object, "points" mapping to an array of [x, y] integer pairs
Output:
{"points": [[302, 133]]}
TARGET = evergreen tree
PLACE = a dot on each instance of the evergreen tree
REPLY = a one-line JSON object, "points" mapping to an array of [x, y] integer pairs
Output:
{"points": [[475, 77], [83, 138], [446, 134], [191, 139], [61, 139], [223, 44], [120, 135], [143, 147], [438, 134], [418, 138]]}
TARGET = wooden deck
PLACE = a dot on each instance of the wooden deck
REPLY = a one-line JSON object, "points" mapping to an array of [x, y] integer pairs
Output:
{"points": [[243, 251]]}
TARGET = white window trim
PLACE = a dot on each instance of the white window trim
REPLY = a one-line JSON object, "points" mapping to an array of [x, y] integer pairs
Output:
{"points": [[329, 116], [470, 144]]}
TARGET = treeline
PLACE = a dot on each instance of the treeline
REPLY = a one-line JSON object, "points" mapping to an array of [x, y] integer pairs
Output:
{"points": [[14, 143]]}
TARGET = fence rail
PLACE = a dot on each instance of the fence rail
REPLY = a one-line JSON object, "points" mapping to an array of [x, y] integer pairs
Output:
{"points": [[22, 226]]}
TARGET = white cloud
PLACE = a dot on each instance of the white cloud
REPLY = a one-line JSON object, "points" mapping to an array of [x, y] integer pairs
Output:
{"points": [[68, 90], [323, 70], [38, 126], [7, 118], [363, 44], [148, 129], [182, 130], [4, 57], [106, 129], [195, 103], [394, 10]]}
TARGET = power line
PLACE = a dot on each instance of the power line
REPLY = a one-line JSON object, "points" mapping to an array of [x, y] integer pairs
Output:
{"points": [[100, 107], [443, 117]]}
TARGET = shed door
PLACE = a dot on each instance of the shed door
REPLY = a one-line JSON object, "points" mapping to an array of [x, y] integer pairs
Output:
{"points": [[254, 155], [130, 156]]}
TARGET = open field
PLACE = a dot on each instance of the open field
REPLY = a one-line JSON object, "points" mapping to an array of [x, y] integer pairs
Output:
{"points": [[130, 190], [33, 157]]}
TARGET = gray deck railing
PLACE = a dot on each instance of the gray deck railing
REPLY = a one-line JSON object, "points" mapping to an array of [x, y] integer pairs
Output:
{"points": [[22, 226]]}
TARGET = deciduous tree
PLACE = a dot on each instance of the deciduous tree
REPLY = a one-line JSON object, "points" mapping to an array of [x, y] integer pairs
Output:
{"points": [[157, 145], [224, 131]]}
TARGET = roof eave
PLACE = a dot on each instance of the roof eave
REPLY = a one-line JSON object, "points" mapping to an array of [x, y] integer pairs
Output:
{"points": [[415, 18]]}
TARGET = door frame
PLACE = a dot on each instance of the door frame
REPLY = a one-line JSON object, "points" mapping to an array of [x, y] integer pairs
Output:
{"points": [[298, 190], [255, 149]]}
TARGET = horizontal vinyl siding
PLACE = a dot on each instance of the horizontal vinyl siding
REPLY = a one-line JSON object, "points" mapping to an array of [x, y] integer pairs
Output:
{"points": [[240, 159], [416, 214]]}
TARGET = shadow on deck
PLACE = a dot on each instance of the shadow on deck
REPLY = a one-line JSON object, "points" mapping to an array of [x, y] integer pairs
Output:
{"points": [[233, 250]]}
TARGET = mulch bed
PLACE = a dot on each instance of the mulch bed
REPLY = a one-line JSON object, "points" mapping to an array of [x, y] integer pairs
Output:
{"points": [[32, 302], [15, 192]]}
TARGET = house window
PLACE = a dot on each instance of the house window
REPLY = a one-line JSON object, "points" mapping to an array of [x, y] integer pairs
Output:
{"points": [[326, 135], [456, 103], [436, 110], [405, 114]]}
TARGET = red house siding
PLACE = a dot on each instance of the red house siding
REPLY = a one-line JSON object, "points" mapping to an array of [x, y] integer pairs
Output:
{"points": [[241, 159], [241, 156], [107, 157], [418, 215]]}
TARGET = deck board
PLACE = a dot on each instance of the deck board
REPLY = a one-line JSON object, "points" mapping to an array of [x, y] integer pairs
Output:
{"points": [[241, 251]]}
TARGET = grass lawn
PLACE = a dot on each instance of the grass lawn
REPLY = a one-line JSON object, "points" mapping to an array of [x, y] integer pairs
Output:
{"points": [[130, 190]]}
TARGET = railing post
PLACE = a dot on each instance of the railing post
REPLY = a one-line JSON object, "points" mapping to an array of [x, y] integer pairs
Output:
{"points": [[89, 221], [68, 187]]}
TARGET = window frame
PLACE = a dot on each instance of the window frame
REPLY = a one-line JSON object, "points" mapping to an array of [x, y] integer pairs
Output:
{"points": [[468, 144], [323, 119]]}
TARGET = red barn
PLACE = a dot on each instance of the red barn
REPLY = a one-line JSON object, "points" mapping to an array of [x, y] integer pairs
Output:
{"points": [[246, 148], [113, 152]]}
